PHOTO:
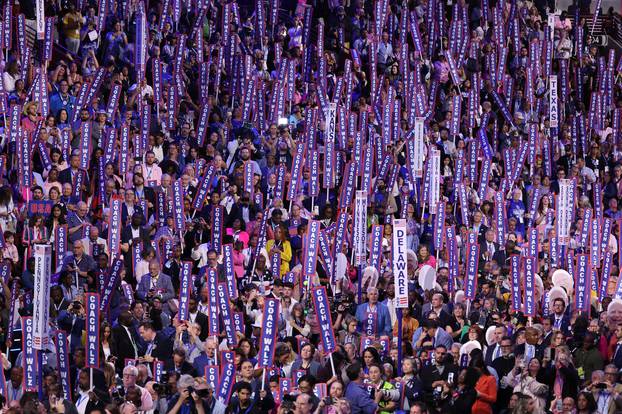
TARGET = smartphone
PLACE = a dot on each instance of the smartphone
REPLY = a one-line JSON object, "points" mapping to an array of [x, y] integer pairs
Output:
{"points": [[547, 353], [450, 378]]}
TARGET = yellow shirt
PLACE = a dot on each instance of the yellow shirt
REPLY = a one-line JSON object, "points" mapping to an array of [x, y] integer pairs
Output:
{"points": [[71, 25], [286, 254]]}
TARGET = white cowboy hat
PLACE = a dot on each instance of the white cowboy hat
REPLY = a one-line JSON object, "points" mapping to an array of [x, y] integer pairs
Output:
{"points": [[539, 287], [370, 276], [469, 346], [562, 278], [427, 277]]}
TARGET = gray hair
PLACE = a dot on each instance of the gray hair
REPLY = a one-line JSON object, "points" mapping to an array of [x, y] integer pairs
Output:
{"points": [[185, 381]]}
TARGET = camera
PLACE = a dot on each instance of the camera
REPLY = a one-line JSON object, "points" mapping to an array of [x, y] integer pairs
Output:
{"points": [[162, 388], [202, 393], [600, 386], [118, 394], [190, 391]]}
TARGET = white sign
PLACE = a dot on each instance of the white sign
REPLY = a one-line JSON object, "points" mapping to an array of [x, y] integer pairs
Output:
{"points": [[360, 228], [564, 211], [40, 19], [435, 179], [331, 120], [553, 102], [400, 263], [41, 295], [419, 149]]}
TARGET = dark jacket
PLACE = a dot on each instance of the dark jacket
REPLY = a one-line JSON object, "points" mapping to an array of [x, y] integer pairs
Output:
{"points": [[122, 345]]}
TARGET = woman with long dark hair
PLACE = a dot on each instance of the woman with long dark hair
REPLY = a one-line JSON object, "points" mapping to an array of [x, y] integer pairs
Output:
{"points": [[586, 403], [55, 219], [460, 399], [106, 344], [485, 387]]}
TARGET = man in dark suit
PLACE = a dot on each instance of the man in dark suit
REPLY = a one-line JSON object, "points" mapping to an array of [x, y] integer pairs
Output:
{"points": [[490, 250], [143, 193], [72, 321], [443, 369], [158, 346], [172, 267], [180, 365], [559, 318], [134, 233], [68, 175], [129, 207], [503, 366], [616, 356], [244, 210], [478, 227], [494, 348], [90, 398], [125, 344], [194, 316]]}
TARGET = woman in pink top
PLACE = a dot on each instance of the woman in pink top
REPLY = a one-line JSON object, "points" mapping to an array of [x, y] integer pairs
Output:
{"points": [[238, 232], [424, 257], [238, 260]]}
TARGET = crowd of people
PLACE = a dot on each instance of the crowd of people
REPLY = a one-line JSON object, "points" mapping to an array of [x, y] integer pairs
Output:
{"points": [[203, 170]]}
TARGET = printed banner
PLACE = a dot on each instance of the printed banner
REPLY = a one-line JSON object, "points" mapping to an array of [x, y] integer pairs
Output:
{"points": [[185, 289], [41, 295], [269, 332], [217, 227], [530, 287], [178, 205], [92, 330], [225, 387], [515, 304], [212, 300], [324, 320], [227, 250], [30, 361], [226, 314], [63, 363], [604, 278], [212, 374], [114, 235], [564, 211], [400, 263], [375, 246], [359, 237], [114, 274], [582, 290], [311, 249], [204, 188], [435, 180], [471, 271]]}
